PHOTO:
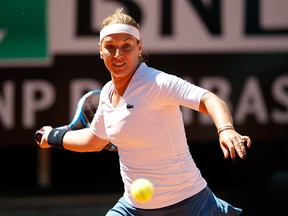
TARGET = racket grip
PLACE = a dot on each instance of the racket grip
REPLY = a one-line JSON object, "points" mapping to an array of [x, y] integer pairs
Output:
{"points": [[38, 135]]}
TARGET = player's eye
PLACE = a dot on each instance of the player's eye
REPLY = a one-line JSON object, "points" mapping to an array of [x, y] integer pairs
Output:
{"points": [[109, 47], [126, 46]]}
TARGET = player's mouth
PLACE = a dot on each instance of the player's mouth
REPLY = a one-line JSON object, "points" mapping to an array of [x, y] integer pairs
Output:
{"points": [[118, 64]]}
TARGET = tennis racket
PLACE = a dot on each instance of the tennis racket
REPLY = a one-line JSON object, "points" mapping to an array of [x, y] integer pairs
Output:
{"points": [[83, 117]]}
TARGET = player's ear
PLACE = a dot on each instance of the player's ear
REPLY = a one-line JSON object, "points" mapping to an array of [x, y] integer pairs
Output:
{"points": [[100, 51], [140, 46]]}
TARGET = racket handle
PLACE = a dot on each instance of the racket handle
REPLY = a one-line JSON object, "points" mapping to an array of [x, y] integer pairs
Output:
{"points": [[38, 135], [111, 147]]}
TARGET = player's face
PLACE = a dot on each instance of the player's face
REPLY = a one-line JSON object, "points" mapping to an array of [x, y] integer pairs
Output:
{"points": [[120, 53]]}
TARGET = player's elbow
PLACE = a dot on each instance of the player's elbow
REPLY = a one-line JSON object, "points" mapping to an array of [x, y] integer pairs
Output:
{"points": [[97, 144]]}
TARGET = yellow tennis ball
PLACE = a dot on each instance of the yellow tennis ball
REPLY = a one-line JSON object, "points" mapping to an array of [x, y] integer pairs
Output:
{"points": [[142, 190]]}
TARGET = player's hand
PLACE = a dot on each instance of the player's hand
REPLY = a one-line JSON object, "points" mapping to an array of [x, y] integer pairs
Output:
{"points": [[43, 143], [233, 143]]}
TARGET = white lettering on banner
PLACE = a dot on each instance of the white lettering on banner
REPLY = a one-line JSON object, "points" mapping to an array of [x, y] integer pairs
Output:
{"points": [[7, 105], [40, 95], [252, 103], [32, 104], [180, 26], [280, 93]]}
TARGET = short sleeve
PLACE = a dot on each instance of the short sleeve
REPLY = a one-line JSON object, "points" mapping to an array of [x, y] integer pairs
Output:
{"points": [[97, 125]]}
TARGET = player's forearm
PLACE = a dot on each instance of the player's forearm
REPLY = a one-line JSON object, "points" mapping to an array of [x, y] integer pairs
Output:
{"points": [[217, 109], [83, 141]]}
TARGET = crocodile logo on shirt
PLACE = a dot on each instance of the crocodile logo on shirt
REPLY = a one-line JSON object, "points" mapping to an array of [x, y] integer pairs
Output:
{"points": [[129, 106]]}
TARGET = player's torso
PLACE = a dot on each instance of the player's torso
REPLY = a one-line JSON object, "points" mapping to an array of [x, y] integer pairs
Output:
{"points": [[151, 141], [138, 119]]}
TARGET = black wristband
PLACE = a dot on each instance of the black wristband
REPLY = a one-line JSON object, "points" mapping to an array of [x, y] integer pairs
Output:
{"points": [[55, 137]]}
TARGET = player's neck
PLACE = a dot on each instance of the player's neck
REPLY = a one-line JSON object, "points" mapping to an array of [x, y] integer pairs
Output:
{"points": [[121, 84]]}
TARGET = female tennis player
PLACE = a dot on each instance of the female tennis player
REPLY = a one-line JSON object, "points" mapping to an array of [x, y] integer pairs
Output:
{"points": [[139, 113]]}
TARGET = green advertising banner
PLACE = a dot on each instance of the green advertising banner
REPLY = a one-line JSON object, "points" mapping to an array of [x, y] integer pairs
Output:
{"points": [[23, 32]]}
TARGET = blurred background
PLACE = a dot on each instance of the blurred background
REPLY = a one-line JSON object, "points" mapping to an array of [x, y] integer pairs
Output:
{"points": [[49, 59]]}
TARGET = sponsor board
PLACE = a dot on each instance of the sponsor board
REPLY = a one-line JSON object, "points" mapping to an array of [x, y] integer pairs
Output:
{"points": [[23, 33]]}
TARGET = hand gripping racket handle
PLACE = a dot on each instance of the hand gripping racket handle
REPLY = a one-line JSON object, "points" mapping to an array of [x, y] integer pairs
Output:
{"points": [[38, 135]]}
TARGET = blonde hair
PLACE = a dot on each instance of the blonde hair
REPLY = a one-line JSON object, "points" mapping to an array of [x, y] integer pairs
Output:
{"points": [[119, 17]]}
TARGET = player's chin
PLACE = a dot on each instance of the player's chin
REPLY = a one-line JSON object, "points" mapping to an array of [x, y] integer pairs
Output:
{"points": [[118, 73]]}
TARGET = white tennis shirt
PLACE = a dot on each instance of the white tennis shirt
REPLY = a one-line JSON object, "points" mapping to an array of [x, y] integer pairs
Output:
{"points": [[148, 129]]}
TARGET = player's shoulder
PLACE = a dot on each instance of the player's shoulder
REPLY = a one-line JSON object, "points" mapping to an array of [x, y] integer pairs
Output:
{"points": [[107, 86], [153, 75], [106, 89]]}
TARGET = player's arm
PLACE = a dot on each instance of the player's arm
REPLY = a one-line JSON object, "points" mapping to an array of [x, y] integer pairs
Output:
{"points": [[230, 141], [82, 140]]}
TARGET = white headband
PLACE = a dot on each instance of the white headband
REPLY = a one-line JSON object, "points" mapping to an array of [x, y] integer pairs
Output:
{"points": [[119, 28]]}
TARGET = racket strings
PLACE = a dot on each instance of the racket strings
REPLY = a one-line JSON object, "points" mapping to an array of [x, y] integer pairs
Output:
{"points": [[89, 108]]}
